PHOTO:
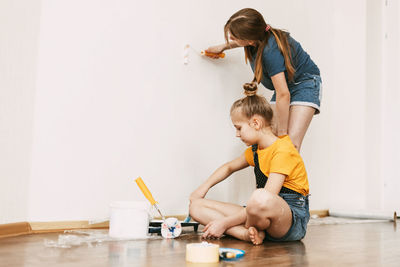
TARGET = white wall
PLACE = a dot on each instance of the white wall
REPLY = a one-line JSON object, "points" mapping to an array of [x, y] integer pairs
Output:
{"points": [[374, 105], [114, 101], [347, 185], [390, 102], [19, 27]]}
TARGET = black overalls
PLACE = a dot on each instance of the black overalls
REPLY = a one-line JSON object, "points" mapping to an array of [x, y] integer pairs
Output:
{"points": [[261, 178]]}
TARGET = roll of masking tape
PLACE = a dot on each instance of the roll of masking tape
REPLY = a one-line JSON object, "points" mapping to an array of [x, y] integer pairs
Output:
{"points": [[202, 252]]}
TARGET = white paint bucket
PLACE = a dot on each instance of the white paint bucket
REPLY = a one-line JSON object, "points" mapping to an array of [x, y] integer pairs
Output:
{"points": [[129, 219]]}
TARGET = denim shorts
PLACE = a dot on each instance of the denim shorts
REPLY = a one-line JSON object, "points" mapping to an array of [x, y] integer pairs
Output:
{"points": [[300, 217], [306, 91]]}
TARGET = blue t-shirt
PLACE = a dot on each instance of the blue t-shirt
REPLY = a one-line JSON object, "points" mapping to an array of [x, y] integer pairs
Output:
{"points": [[274, 62]]}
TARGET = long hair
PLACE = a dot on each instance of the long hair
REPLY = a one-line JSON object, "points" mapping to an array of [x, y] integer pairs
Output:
{"points": [[249, 24]]}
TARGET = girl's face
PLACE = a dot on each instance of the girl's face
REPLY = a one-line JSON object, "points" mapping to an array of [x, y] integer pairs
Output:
{"points": [[242, 42], [244, 129]]}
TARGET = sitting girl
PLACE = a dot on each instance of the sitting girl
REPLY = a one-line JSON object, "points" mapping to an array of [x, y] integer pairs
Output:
{"points": [[278, 209]]}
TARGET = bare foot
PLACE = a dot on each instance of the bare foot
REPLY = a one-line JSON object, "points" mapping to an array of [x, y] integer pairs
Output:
{"points": [[256, 237]]}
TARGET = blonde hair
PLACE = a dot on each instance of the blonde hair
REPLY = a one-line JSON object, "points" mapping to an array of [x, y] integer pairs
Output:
{"points": [[253, 104], [249, 24]]}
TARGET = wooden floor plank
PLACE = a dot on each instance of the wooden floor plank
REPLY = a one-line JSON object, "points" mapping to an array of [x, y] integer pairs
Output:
{"points": [[374, 244]]}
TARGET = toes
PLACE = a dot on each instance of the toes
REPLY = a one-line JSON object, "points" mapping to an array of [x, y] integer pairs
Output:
{"points": [[255, 236], [252, 231]]}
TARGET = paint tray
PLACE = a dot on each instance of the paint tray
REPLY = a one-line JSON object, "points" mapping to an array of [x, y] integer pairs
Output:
{"points": [[155, 226]]}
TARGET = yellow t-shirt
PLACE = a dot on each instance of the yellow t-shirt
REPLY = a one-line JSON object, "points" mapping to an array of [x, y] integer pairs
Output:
{"points": [[282, 157]]}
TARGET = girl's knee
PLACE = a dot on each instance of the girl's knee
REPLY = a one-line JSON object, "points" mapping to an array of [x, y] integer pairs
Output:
{"points": [[195, 206], [260, 201]]}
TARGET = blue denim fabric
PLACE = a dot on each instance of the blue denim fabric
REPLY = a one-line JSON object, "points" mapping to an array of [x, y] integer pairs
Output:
{"points": [[306, 91], [300, 217]]}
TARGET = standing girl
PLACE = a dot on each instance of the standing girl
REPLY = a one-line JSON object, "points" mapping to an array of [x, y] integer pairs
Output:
{"points": [[280, 64], [278, 209]]}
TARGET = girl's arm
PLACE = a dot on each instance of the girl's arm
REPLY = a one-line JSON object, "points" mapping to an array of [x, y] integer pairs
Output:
{"points": [[216, 49], [282, 103], [219, 175], [275, 182]]}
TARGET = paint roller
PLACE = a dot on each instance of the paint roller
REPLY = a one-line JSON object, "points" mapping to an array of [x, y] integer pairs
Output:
{"points": [[202, 52], [213, 55], [171, 227]]}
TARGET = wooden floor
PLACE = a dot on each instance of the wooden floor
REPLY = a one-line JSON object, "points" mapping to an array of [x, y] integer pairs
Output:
{"points": [[373, 244]]}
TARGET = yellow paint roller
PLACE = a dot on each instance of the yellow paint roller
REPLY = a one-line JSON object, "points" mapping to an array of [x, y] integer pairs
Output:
{"points": [[213, 55], [148, 195]]}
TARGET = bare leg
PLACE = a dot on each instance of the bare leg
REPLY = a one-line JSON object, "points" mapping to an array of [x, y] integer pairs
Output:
{"points": [[206, 210], [299, 119], [270, 212], [274, 125], [265, 211]]}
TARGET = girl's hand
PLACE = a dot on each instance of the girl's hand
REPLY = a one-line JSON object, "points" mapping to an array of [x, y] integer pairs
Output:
{"points": [[214, 229], [213, 51]]}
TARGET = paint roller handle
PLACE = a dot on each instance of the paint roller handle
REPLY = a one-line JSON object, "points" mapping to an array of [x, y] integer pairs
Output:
{"points": [[145, 190]]}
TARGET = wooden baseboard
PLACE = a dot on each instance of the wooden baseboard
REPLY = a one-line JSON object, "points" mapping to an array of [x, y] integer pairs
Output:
{"points": [[15, 229], [320, 213], [24, 228], [49, 227]]}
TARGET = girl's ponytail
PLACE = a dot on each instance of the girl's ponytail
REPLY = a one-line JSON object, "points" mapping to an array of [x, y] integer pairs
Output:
{"points": [[258, 69], [282, 39]]}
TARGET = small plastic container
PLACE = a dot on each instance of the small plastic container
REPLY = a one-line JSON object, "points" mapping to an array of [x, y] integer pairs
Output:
{"points": [[129, 219]]}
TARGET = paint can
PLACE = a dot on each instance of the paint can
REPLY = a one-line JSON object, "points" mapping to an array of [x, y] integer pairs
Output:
{"points": [[129, 219]]}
